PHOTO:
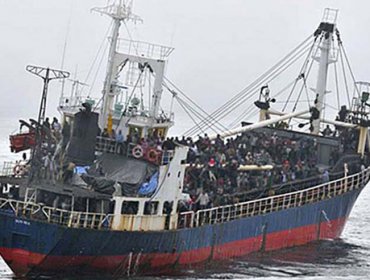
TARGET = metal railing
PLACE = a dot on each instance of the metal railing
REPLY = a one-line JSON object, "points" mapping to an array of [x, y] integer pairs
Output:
{"points": [[77, 219], [8, 168], [273, 203], [109, 145], [146, 49], [58, 216], [19, 208]]}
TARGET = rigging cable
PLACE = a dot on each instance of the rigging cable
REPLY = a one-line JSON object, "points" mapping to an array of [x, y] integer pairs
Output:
{"points": [[304, 86], [206, 115], [341, 46], [235, 101], [350, 69], [186, 111], [97, 55], [281, 70], [272, 78], [65, 45], [197, 114], [242, 116], [97, 70], [344, 76], [337, 84], [241, 94], [302, 73]]}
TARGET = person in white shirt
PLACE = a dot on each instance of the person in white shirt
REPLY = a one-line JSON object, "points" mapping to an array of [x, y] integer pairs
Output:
{"points": [[203, 200]]}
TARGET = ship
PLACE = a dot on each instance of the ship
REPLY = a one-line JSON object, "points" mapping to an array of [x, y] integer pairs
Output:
{"points": [[89, 203]]}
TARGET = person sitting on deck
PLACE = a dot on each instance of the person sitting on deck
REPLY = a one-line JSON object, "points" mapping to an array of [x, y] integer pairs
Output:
{"points": [[327, 132]]}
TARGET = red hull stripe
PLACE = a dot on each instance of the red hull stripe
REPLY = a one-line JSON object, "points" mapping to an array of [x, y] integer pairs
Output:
{"points": [[22, 261]]}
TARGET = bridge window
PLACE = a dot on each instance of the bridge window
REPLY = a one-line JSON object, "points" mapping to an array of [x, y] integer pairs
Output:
{"points": [[151, 208], [130, 207]]}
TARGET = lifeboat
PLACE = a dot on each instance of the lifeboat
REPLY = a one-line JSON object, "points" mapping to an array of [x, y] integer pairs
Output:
{"points": [[23, 141]]}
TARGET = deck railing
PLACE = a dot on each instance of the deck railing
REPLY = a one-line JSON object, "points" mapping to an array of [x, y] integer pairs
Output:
{"points": [[273, 203], [8, 168], [150, 154], [191, 219], [73, 219], [13, 168], [19, 208]]}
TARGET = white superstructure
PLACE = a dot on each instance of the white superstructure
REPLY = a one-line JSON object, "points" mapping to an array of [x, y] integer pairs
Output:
{"points": [[132, 67]]}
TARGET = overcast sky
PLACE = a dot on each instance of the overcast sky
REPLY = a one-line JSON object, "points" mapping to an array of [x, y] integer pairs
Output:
{"points": [[220, 45]]}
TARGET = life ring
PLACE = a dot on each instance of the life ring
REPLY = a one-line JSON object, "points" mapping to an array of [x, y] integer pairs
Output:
{"points": [[152, 155], [137, 152], [19, 170]]}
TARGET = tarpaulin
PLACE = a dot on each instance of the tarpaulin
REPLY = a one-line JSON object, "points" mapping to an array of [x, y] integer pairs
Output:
{"points": [[112, 168], [148, 188]]}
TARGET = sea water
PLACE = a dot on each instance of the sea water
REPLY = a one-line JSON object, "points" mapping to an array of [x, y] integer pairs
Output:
{"points": [[346, 258]]}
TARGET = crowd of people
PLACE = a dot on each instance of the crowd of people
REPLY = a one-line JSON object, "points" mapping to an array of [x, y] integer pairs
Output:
{"points": [[214, 174], [44, 164]]}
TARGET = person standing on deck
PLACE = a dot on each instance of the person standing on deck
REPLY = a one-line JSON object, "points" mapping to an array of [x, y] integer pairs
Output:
{"points": [[46, 123], [203, 200], [66, 134], [119, 142]]}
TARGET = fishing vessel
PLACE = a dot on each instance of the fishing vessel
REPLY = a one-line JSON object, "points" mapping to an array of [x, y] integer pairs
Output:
{"points": [[105, 192]]}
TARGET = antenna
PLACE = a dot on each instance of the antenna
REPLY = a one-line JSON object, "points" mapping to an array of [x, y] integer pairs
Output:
{"points": [[65, 47], [119, 10], [47, 75]]}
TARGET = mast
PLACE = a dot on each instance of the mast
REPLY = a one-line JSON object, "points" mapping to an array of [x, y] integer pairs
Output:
{"points": [[119, 11], [326, 29], [108, 90], [157, 94]]}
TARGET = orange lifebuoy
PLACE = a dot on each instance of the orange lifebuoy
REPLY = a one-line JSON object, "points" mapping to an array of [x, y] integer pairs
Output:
{"points": [[19, 170], [137, 152], [152, 155]]}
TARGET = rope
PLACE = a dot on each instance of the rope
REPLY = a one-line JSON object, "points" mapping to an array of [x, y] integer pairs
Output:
{"points": [[186, 111], [350, 68], [192, 110], [97, 71], [302, 73], [236, 99], [206, 115], [276, 70], [344, 75], [252, 112], [337, 84], [97, 54], [254, 87], [272, 78], [304, 86]]}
